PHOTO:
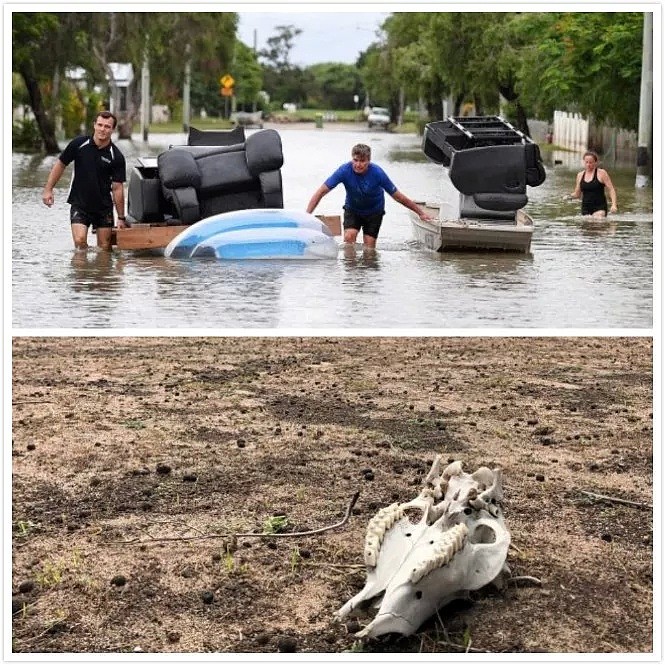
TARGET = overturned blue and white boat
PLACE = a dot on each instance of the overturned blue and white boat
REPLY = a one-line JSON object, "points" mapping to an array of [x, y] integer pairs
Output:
{"points": [[255, 234]]}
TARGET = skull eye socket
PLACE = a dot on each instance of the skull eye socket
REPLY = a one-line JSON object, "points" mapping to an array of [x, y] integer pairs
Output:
{"points": [[483, 535]]}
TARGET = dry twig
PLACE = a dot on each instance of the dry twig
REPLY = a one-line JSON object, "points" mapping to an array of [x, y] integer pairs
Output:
{"points": [[292, 534], [614, 499]]}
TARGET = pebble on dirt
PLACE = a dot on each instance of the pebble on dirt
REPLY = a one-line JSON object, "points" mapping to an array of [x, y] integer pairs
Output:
{"points": [[287, 644]]}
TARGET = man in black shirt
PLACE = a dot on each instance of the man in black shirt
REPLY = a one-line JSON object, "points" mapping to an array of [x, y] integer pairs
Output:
{"points": [[97, 183]]}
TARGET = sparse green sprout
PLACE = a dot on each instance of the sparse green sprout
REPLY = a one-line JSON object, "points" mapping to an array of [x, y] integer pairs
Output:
{"points": [[275, 524], [229, 563], [135, 424], [24, 527], [295, 560]]}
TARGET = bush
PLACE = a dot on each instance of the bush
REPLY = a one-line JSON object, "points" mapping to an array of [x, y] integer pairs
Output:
{"points": [[73, 114], [26, 136]]}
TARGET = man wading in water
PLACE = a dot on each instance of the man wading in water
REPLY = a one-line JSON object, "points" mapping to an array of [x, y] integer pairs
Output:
{"points": [[97, 183], [364, 206]]}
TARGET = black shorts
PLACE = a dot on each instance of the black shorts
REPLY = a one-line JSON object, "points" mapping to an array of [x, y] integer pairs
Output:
{"points": [[99, 220], [589, 209], [369, 224]]}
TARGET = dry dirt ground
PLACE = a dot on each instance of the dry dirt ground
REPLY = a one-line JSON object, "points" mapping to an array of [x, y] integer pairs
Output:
{"points": [[136, 460]]}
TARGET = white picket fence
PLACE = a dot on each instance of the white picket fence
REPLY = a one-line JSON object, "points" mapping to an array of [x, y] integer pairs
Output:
{"points": [[570, 130]]}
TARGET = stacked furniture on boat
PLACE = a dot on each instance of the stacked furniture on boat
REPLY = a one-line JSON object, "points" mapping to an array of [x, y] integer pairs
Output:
{"points": [[490, 163], [217, 171]]}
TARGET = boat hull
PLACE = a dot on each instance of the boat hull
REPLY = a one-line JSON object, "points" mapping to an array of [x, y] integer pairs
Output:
{"points": [[474, 234], [255, 234]]}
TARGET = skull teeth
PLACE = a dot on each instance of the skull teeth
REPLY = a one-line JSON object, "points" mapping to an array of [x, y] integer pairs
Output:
{"points": [[448, 544], [376, 531]]}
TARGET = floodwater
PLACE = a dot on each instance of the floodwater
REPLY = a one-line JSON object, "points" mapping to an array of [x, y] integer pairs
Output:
{"points": [[574, 276]]}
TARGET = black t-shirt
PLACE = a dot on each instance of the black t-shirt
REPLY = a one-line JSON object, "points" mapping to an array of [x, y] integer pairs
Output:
{"points": [[94, 171]]}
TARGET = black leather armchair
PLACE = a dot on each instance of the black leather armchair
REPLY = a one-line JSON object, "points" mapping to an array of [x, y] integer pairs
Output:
{"points": [[200, 181]]}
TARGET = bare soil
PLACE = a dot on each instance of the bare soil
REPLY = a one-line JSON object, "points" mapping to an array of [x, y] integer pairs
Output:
{"points": [[136, 460]]}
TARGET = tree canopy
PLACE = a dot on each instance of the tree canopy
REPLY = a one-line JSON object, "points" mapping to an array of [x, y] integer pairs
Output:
{"points": [[524, 64]]}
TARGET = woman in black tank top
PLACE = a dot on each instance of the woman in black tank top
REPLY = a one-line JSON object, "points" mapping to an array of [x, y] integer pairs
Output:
{"points": [[590, 187]]}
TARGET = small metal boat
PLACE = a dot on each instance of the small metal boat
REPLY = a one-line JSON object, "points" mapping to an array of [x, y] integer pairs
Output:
{"points": [[467, 233], [490, 164]]}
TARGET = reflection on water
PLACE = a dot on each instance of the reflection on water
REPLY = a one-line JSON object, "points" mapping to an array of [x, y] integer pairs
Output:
{"points": [[357, 256], [95, 270], [576, 275]]}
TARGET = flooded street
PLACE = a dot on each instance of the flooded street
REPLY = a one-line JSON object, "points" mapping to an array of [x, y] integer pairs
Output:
{"points": [[574, 277]]}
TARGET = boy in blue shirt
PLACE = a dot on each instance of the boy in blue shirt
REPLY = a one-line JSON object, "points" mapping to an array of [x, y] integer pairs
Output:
{"points": [[364, 206]]}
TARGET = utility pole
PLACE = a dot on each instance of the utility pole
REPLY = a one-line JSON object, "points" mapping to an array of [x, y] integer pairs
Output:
{"points": [[145, 97], [645, 129], [185, 93]]}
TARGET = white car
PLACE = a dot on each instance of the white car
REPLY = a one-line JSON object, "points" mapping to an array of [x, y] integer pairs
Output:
{"points": [[378, 116]]}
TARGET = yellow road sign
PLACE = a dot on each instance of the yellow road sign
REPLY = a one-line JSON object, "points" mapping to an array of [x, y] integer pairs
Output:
{"points": [[227, 81]]}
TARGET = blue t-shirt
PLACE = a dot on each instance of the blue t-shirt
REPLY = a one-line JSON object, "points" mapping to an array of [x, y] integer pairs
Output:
{"points": [[364, 193]]}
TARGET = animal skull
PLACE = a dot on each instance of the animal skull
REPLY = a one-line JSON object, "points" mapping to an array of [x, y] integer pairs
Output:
{"points": [[420, 555]]}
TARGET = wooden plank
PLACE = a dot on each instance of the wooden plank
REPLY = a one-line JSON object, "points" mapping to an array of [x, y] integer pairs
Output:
{"points": [[158, 236], [145, 236], [333, 222]]}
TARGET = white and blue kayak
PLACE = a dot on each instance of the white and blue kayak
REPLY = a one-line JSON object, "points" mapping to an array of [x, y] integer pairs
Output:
{"points": [[258, 233]]}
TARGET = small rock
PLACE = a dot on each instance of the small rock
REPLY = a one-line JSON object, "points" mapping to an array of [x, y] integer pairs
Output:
{"points": [[17, 605], [190, 478], [352, 626], [540, 477], [118, 580], [173, 636], [262, 639], [287, 644], [163, 469], [207, 597], [607, 537], [27, 586], [31, 446]]}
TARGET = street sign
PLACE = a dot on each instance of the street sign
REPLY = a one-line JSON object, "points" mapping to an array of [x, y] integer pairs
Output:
{"points": [[227, 81]]}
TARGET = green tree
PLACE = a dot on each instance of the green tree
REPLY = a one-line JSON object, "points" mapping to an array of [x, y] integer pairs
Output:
{"points": [[33, 34], [248, 76], [44, 45], [283, 81], [334, 85], [586, 62]]}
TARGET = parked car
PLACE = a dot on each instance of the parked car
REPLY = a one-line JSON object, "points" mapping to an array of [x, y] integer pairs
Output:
{"points": [[378, 116]]}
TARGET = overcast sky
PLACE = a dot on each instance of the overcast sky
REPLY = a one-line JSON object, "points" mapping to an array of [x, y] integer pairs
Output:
{"points": [[325, 37]]}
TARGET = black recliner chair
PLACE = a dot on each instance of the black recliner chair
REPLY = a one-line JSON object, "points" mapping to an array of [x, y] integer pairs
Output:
{"points": [[489, 162], [191, 182], [200, 181]]}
